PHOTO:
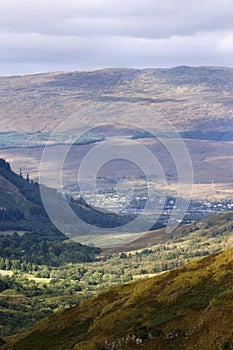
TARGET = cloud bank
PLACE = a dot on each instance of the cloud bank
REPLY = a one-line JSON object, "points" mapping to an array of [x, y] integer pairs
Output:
{"points": [[37, 36]]}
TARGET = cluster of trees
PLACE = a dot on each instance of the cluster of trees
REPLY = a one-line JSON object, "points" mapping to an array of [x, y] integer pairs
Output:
{"points": [[44, 249], [23, 302], [13, 214], [17, 265], [95, 217]]}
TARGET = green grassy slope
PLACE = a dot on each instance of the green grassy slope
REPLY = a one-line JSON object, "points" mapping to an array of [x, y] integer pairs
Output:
{"points": [[188, 308], [191, 241], [216, 226]]}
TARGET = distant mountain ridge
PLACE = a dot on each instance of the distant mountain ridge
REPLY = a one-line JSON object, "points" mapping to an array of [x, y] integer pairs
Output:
{"points": [[191, 98], [196, 101]]}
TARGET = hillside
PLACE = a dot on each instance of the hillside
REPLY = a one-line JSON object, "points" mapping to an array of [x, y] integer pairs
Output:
{"points": [[196, 100], [189, 308], [44, 289], [216, 226], [37, 240], [191, 98], [21, 206], [20, 201]]}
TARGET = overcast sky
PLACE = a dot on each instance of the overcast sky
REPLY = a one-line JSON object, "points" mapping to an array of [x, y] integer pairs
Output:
{"points": [[48, 35]]}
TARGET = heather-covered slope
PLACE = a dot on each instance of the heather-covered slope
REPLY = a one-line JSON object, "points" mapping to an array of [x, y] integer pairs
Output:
{"points": [[192, 98], [189, 308]]}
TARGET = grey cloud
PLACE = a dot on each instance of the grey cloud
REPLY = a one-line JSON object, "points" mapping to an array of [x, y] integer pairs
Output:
{"points": [[144, 18], [76, 34], [120, 51]]}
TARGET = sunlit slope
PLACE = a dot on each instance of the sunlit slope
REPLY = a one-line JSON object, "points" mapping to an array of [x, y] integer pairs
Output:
{"points": [[216, 227], [191, 98], [188, 308]]}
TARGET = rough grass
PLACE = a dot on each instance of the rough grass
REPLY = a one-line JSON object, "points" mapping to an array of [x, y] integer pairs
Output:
{"points": [[194, 302], [214, 232], [11, 293]]}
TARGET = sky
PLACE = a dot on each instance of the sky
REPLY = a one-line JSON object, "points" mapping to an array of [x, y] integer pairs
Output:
{"points": [[65, 35]]}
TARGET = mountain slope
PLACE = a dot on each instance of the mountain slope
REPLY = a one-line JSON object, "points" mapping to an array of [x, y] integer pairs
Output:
{"points": [[189, 308], [219, 226], [21, 206], [20, 201], [191, 98], [197, 101]]}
